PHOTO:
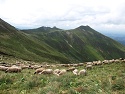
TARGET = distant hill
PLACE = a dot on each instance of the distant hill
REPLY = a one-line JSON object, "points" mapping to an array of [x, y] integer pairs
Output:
{"points": [[56, 45], [120, 37]]}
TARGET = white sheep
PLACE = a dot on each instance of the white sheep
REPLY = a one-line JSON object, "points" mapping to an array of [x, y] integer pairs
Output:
{"points": [[75, 71], [56, 71], [62, 71], [36, 67], [66, 65], [82, 72], [3, 68], [105, 62], [80, 64], [123, 60], [47, 71], [24, 66], [39, 70], [14, 68], [99, 62], [94, 62], [88, 66], [70, 68], [75, 65], [89, 63], [117, 61]]}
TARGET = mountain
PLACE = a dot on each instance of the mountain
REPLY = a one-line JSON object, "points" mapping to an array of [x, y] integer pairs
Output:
{"points": [[42, 29], [21, 45], [81, 44], [56, 45]]}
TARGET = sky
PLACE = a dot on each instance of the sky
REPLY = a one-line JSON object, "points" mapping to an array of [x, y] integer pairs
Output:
{"points": [[101, 15]]}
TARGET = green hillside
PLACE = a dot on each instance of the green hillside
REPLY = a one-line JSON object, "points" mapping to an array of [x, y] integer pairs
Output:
{"points": [[47, 44], [18, 44], [80, 44]]}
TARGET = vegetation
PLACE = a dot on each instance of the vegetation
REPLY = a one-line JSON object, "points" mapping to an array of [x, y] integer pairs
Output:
{"points": [[56, 45], [102, 79], [80, 44]]}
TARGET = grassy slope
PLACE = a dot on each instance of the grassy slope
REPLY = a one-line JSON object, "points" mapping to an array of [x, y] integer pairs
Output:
{"points": [[21, 45], [104, 79], [99, 45], [56, 45], [28, 49], [80, 44]]}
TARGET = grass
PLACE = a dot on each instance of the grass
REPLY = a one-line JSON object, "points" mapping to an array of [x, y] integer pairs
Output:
{"points": [[55, 45], [65, 46], [104, 79]]}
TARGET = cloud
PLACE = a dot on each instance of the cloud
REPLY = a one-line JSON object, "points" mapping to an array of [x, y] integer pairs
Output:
{"points": [[65, 14]]}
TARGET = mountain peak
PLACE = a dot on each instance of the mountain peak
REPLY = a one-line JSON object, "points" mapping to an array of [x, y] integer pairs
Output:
{"points": [[83, 27], [44, 28], [55, 27]]}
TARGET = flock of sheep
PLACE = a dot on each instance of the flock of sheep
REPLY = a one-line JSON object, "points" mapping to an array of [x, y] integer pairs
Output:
{"points": [[52, 69]]}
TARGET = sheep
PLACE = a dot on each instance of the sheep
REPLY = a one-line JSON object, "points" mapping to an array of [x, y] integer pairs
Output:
{"points": [[31, 67], [123, 60], [66, 65], [62, 71], [39, 70], [70, 69], [14, 68], [3, 68], [88, 66], [99, 62], [89, 63], [80, 64], [106, 62], [75, 72], [46, 66], [36, 66], [58, 65], [24, 66], [56, 71], [117, 61], [94, 62], [75, 65], [53, 65], [47, 71], [82, 72], [111, 61]]}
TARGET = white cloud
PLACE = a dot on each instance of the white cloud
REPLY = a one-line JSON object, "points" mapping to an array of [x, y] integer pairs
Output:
{"points": [[65, 14]]}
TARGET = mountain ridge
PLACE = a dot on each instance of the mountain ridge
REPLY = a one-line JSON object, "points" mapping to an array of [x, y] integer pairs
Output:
{"points": [[67, 35], [56, 45]]}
